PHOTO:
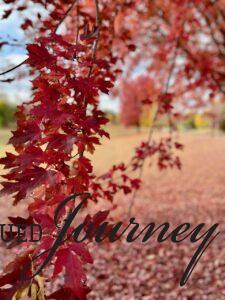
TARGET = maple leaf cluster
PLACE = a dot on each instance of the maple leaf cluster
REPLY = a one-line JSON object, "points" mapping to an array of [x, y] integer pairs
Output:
{"points": [[55, 129]]}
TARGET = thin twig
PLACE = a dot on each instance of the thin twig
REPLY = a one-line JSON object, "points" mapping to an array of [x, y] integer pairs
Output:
{"points": [[165, 91], [65, 16], [97, 23], [208, 22], [78, 25], [14, 68], [191, 56], [95, 47], [56, 28], [217, 44]]}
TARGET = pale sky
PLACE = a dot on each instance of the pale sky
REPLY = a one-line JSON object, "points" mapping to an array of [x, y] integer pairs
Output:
{"points": [[18, 92]]}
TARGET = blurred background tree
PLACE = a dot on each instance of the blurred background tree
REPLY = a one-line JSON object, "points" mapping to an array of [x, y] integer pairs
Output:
{"points": [[7, 112]]}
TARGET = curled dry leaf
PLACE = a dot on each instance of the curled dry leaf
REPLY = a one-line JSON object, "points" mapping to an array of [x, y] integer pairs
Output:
{"points": [[34, 291]]}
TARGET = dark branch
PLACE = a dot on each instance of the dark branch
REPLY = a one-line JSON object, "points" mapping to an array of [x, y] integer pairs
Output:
{"points": [[97, 23], [65, 16], [58, 25], [14, 68]]}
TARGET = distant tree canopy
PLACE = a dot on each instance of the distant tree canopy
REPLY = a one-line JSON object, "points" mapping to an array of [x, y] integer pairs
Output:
{"points": [[7, 112], [136, 95]]}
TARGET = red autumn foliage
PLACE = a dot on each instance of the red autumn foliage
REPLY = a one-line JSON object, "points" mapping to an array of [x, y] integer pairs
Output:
{"points": [[135, 95], [63, 122]]}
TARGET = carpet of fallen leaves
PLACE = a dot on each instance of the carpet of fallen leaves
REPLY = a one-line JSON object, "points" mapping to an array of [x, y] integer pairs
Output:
{"points": [[152, 271]]}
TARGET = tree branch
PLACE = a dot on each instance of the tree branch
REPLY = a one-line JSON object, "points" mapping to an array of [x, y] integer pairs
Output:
{"points": [[65, 16], [165, 91], [209, 24], [14, 68], [97, 23], [55, 30], [191, 56]]}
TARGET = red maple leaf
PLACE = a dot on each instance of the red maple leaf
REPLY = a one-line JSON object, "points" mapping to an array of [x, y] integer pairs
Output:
{"points": [[29, 132], [16, 271], [39, 56], [62, 294], [74, 273], [61, 142], [26, 182], [31, 155]]}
